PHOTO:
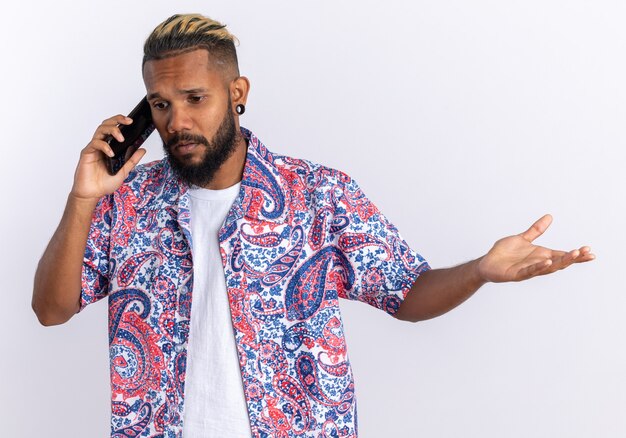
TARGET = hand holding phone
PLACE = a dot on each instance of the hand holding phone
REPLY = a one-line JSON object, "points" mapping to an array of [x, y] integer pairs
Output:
{"points": [[134, 134]]}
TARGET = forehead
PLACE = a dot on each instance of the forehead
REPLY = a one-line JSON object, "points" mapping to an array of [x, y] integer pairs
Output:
{"points": [[185, 71]]}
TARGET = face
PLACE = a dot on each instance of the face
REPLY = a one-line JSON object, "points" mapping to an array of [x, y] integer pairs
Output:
{"points": [[192, 111]]}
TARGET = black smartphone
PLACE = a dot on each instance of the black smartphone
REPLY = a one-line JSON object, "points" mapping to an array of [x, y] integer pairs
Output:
{"points": [[134, 136]]}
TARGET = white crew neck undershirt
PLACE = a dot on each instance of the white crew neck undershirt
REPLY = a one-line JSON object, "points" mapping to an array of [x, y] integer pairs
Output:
{"points": [[215, 405]]}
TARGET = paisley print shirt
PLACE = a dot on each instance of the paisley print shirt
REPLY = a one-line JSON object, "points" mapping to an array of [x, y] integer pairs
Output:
{"points": [[298, 237]]}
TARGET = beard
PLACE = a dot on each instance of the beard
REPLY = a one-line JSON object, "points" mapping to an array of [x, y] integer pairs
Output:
{"points": [[217, 151]]}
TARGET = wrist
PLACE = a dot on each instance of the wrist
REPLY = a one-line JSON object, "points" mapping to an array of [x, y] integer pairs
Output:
{"points": [[477, 274], [81, 203]]}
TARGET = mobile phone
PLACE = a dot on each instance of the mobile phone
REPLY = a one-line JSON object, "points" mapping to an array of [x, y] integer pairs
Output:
{"points": [[134, 136]]}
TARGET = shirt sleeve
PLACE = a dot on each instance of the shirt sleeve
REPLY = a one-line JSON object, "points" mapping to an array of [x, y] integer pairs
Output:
{"points": [[382, 267], [94, 277]]}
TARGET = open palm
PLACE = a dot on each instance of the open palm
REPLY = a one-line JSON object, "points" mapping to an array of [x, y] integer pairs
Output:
{"points": [[516, 258]]}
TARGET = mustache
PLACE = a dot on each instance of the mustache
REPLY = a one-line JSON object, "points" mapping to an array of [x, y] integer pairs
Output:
{"points": [[186, 137]]}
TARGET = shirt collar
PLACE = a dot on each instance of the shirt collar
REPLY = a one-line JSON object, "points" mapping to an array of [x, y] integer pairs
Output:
{"points": [[262, 194]]}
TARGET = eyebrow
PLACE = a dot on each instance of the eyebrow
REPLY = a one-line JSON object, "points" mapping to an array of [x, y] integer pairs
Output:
{"points": [[189, 91]]}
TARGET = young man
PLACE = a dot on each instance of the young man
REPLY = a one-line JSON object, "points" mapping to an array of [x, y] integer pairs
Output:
{"points": [[259, 246]]}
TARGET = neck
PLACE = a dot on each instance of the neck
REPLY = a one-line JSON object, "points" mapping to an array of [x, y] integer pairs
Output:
{"points": [[231, 172]]}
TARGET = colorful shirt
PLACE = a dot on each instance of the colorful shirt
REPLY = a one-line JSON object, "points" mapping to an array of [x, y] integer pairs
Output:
{"points": [[298, 237]]}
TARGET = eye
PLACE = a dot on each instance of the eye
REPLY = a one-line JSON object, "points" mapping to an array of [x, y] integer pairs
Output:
{"points": [[159, 105], [196, 99]]}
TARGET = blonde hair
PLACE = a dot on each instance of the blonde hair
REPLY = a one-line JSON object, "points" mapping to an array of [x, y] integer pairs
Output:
{"points": [[183, 33]]}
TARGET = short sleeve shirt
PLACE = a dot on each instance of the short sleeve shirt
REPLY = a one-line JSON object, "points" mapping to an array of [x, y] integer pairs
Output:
{"points": [[298, 237]]}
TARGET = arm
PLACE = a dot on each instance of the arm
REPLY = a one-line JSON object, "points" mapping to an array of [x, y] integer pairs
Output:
{"points": [[513, 258], [57, 286]]}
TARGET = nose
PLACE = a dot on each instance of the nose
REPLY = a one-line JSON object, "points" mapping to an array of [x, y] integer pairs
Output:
{"points": [[179, 120]]}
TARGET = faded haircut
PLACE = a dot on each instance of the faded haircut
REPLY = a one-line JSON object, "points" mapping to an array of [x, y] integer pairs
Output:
{"points": [[182, 33]]}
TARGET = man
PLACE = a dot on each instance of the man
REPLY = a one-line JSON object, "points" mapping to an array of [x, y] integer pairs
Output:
{"points": [[259, 246]]}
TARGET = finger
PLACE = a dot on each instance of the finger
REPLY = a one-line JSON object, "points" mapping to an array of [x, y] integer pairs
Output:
{"points": [[538, 228], [117, 120], [132, 162], [571, 256], [585, 258], [111, 127], [104, 131], [563, 261], [98, 145], [583, 254], [539, 268]]}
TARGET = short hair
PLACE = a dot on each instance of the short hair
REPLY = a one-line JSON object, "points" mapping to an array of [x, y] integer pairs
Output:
{"points": [[182, 33]]}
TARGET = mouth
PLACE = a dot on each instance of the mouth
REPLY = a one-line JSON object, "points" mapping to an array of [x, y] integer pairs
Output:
{"points": [[185, 147]]}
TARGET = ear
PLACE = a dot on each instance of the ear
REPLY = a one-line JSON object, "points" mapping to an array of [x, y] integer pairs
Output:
{"points": [[239, 88]]}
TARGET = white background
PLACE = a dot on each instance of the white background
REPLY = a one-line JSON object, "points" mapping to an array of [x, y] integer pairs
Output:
{"points": [[463, 121]]}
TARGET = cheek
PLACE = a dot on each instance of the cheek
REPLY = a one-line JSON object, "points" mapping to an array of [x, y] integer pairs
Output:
{"points": [[209, 121], [160, 122], [161, 129], [164, 135]]}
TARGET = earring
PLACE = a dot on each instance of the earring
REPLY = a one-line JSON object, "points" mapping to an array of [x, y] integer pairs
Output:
{"points": [[240, 109]]}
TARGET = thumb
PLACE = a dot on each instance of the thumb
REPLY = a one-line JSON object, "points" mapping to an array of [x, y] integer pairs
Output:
{"points": [[538, 228], [131, 163]]}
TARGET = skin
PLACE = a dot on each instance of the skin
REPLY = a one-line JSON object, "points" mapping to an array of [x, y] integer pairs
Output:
{"points": [[189, 93], [513, 258]]}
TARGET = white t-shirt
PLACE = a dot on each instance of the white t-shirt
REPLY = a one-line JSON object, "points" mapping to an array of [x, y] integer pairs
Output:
{"points": [[214, 400]]}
